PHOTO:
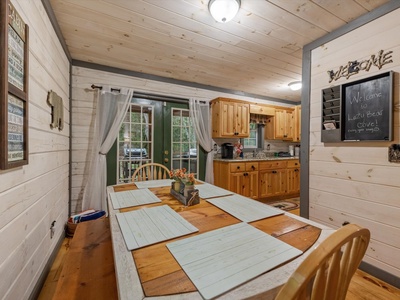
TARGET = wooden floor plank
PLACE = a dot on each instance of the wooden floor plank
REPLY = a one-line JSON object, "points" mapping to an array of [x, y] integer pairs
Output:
{"points": [[88, 269]]}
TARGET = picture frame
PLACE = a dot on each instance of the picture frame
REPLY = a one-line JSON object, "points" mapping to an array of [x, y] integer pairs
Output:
{"points": [[14, 67]]}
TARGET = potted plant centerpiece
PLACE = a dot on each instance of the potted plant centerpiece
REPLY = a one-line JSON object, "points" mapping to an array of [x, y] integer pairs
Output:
{"points": [[183, 185]]}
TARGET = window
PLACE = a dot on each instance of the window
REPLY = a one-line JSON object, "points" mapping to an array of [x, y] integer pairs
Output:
{"points": [[251, 141], [135, 141], [256, 137], [184, 143]]}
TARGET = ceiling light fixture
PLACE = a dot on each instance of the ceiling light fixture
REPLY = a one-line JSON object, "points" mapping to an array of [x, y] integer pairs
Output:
{"points": [[295, 85], [223, 10]]}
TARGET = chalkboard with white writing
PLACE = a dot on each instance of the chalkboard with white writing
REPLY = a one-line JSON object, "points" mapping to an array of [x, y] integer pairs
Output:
{"points": [[367, 109]]}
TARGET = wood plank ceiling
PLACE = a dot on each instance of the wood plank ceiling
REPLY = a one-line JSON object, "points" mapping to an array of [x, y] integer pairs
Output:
{"points": [[258, 52]]}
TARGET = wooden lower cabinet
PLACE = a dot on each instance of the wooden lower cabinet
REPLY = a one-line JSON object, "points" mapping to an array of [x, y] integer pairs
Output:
{"points": [[244, 183], [272, 178], [272, 183], [238, 177], [253, 179], [293, 177]]}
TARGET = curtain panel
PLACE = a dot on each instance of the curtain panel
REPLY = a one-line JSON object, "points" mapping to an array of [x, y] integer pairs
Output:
{"points": [[200, 115], [110, 111]]}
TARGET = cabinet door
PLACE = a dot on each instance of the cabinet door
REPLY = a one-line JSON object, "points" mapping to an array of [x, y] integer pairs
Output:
{"points": [[242, 127], [293, 181], [251, 189], [280, 123], [284, 124], [272, 183], [297, 124], [245, 184], [237, 183], [289, 125], [228, 124]]}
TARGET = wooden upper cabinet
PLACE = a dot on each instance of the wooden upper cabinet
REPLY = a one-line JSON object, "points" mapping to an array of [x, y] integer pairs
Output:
{"points": [[262, 110], [282, 125], [297, 124], [230, 118]]}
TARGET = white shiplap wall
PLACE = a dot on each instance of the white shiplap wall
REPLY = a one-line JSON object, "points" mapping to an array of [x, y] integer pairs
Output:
{"points": [[354, 181], [83, 107], [34, 195]]}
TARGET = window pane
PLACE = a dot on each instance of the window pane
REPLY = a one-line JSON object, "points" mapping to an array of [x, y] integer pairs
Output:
{"points": [[134, 140]]}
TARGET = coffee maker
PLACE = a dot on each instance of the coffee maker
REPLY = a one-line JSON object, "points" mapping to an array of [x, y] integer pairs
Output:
{"points": [[227, 150]]}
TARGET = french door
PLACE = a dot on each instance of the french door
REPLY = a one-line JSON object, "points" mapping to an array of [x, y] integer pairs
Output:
{"points": [[154, 131]]}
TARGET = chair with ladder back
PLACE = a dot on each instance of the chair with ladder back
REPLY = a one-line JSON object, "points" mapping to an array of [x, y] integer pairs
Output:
{"points": [[326, 273], [151, 171]]}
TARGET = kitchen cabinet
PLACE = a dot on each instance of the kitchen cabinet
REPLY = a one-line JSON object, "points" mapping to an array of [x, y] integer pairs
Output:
{"points": [[238, 177], [293, 177], [262, 110], [230, 118], [281, 126], [259, 179], [273, 178]]}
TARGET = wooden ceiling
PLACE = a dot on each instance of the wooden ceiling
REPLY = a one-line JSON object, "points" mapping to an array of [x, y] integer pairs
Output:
{"points": [[258, 52]]}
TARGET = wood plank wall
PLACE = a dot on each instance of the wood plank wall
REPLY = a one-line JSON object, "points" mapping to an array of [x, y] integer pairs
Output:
{"points": [[33, 196], [354, 181], [83, 107]]}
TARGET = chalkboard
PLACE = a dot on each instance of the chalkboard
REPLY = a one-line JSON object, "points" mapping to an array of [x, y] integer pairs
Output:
{"points": [[367, 109]]}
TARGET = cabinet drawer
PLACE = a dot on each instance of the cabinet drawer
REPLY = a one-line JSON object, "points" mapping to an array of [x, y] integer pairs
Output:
{"points": [[243, 167], [237, 167], [251, 166], [266, 165], [293, 163]]}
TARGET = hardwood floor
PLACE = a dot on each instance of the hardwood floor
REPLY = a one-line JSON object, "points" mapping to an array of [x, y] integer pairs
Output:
{"points": [[362, 287]]}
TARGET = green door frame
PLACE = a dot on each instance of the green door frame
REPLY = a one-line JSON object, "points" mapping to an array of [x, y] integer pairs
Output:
{"points": [[162, 120]]}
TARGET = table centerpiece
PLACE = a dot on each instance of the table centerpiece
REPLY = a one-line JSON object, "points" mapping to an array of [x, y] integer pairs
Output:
{"points": [[183, 187]]}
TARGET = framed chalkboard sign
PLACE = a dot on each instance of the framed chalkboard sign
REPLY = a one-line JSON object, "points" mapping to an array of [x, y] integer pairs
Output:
{"points": [[367, 109], [14, 35]]}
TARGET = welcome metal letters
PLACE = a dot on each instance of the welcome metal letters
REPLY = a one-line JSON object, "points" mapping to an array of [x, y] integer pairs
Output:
{"points": [[353, 67]]}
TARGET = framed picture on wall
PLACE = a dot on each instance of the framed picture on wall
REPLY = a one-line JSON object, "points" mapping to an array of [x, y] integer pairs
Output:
{"points": [[14, 36]]}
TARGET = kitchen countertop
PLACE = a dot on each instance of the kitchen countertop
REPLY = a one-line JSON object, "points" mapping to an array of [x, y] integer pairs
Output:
{"points": [[256, 159]]}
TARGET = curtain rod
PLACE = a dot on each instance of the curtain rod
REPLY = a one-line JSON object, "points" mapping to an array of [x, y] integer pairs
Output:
{"points": [[100, 88], [148, 95]]}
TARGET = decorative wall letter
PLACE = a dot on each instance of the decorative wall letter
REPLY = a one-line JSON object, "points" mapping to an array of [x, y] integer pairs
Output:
{"points": [[353, 67]]}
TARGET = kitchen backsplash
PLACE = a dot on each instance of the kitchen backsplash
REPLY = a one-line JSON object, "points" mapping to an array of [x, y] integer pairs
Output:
{"points": [[270, 147]]}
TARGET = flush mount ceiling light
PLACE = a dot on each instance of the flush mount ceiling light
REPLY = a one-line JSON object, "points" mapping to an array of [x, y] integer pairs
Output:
{"points": [[295, 85], [223, 10]]}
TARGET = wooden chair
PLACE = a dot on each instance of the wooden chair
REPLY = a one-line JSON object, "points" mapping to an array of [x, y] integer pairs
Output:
{"points": [[326, 273], [150, 171]]}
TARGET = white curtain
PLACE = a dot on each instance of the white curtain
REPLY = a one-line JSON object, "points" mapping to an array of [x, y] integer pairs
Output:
{"points": [[201, 118], [110, 111]]}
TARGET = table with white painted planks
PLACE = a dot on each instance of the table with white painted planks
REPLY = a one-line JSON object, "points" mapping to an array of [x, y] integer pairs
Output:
{"points": [[152, 271]]}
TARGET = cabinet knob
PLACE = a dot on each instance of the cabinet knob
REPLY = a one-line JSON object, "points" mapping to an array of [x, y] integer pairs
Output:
{"points": [[253, 167], [238, 167]]}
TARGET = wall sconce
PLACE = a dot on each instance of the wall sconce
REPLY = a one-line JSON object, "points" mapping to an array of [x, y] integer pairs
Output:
{"points": [[295, 85], [223, 10]]}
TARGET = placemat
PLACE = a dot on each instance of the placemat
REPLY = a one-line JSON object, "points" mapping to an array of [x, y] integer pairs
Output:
{"points": [[219, 260], [133, 198], [152, 225], [207, 190], [153, 183], [245, 209]]}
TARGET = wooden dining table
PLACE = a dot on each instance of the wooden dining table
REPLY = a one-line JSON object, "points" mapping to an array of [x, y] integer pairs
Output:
{"points": [[152, 271]]}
